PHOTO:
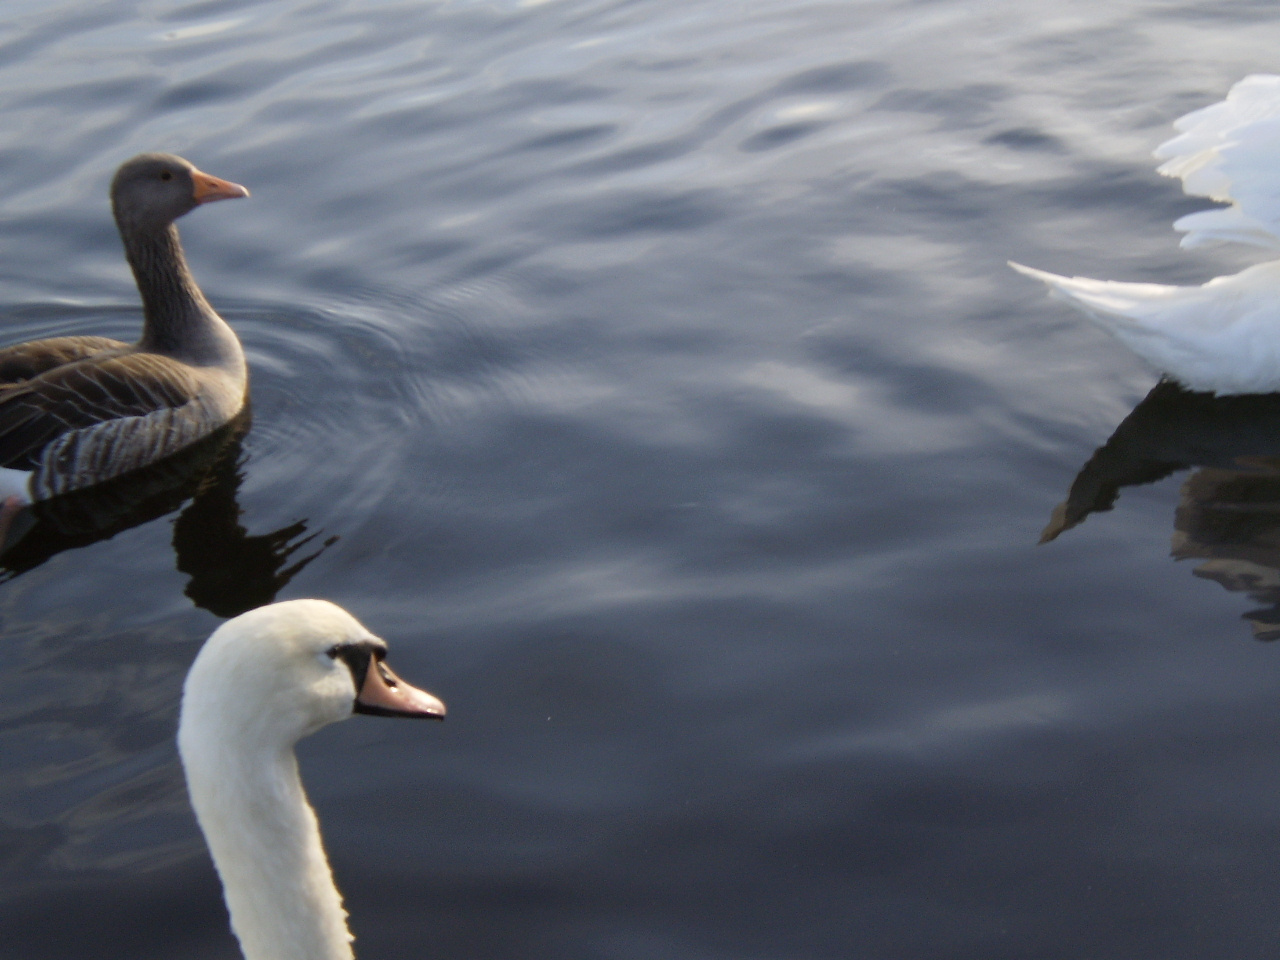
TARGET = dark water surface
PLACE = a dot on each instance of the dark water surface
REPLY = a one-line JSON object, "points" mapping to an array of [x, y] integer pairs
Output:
{"points": [[649, 375]]}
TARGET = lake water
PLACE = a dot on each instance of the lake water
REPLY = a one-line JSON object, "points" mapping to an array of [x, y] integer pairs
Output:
{"points": [[648, 373]]}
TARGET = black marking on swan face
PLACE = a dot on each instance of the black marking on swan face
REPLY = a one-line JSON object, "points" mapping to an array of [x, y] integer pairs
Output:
{"points": [[358, 655]]}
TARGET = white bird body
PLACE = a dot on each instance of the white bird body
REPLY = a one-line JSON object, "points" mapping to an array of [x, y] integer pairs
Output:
{"points": [[264, 836], [1224, 336], [260, 683]]}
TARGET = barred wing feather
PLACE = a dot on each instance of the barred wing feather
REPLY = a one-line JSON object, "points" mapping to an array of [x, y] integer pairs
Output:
{"points": [[86, 422]]}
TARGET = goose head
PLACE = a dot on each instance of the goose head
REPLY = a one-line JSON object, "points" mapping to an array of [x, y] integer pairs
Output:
{"points": [[273, 675], [152, 190]]}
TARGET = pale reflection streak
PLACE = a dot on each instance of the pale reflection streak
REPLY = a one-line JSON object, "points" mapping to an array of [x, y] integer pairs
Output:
{"points": [[882, 425], [967, 724]]}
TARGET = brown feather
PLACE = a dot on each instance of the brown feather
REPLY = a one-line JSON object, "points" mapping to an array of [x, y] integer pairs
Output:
{"points": [[88, 392], [22, 361], [76, 411]]}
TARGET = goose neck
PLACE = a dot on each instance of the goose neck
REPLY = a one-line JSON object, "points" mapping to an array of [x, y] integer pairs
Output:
{"points": [[177, 317]]}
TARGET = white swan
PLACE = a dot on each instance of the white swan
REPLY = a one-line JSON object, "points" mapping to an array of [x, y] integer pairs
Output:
{"points": [[262, 682], [1222, 337]]}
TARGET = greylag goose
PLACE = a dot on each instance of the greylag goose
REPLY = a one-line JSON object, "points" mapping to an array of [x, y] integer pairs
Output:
{"points": [[1224, 336], [75, 411], [262, 682]]}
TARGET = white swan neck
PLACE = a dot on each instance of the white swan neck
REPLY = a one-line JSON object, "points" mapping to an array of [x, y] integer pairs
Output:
{"points": [[266, 845]]}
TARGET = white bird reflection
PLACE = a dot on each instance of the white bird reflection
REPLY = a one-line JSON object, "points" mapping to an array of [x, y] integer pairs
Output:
{"points": [[1228, 515]]}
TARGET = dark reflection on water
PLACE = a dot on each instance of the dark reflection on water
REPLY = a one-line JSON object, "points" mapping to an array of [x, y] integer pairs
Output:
{"points": [[230, 571], [1229, 510], [1231, 520]]}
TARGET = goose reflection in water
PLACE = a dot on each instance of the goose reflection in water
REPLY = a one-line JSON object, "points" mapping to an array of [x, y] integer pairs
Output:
{"points": [[229, 570], [1229, 511]]}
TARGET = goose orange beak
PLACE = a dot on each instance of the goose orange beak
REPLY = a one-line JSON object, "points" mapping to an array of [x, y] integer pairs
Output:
{"points": [[207, 189], [384, 694]]}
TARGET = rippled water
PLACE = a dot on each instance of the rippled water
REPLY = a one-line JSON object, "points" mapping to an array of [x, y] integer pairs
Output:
{"points": [[649, 375]]}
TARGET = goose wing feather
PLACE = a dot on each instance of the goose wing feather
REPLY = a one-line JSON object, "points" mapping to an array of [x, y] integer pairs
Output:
{"points": [[1227, 152], [22, 361], [78, 396]]}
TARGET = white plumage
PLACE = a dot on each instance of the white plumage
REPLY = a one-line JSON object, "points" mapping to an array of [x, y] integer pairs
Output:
{"points": [[1224, 336], [262, 682]]}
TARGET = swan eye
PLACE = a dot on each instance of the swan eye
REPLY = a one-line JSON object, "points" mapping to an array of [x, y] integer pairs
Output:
{"points": [[166, 175], [334, 651]]}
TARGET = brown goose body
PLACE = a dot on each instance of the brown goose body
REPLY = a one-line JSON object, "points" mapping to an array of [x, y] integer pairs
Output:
{"points": [[76, 411]]}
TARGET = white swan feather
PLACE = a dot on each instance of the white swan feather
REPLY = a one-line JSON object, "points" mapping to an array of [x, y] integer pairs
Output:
{"points": [[1227, 152], [260, 683], [1223, 336]]}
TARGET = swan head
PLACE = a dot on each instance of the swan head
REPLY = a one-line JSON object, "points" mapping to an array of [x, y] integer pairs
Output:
{"points": [[154, 189], [278, 673]]}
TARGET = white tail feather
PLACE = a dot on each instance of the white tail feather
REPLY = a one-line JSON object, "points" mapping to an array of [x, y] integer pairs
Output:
{"points": [[1109, 301], [1223, 336], [15, 483]]}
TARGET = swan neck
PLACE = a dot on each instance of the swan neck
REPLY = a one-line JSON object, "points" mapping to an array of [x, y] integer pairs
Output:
{"points": [[266, 845]]}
